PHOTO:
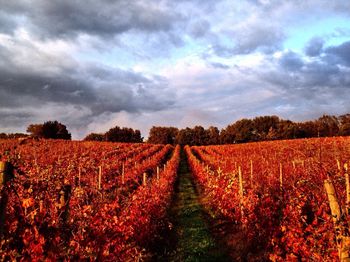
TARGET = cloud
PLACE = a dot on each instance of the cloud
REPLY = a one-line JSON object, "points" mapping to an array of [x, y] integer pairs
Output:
{"points": [[262, 36], [342, 52], [314, 47], [65, 86], [103, 18], [128, 91], [308, 87], [7, 23], [263, 26], [95, 64], [247, 28], [291, 61], [199, 28], [219, 65]]}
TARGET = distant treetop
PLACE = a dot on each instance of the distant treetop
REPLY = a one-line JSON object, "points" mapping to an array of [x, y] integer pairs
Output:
{"points": [[117, 134], [50, 129], [260, 128]]}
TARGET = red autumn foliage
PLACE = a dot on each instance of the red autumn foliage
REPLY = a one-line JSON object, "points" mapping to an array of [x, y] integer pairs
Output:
{"points": [[56, 211], [289, 224]]}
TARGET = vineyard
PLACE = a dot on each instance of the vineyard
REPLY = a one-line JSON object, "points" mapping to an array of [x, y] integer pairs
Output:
{"points": [[274, 194], [280, 201], [75, 200]]}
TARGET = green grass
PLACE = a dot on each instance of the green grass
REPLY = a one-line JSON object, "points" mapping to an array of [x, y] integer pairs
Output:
{"points": [[194, 242]]}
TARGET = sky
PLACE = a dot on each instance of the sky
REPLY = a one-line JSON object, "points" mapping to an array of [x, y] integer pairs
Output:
{"points": [[93, 65]]}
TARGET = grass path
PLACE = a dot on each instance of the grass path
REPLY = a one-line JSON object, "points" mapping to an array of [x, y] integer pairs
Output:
{"points": [[191, 240]]}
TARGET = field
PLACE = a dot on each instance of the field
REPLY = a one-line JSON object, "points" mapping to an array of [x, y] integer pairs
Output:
{"points": [[114, 201], [85, 200], [274, 192]]}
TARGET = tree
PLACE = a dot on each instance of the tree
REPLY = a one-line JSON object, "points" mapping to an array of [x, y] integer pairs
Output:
{"points": [[128, 135], [35, 130], [245, 131], [185, 137], [199, 136], [307, 129], [50, 129], [262, 126], [137, 138], [272, 134], [55, 130], [162, 135], [327, 125], [12, 135], [94, 137], [344, 129], [213, 135], [188, 136]]}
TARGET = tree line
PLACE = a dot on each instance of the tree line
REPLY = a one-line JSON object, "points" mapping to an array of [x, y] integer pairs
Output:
{"points": [[260, 128], [47, 130], [57, 130], [117, 134]]}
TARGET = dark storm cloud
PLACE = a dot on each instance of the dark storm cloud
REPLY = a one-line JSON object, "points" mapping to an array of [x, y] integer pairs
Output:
{"points": [[91, 89], [37, 83], [327, 70], [59, 88], [291, 61], [342, 52], [169, 21], [14, 119], [72, 59], [314, 47], [107, 74], [103, 18], [114, 95]]}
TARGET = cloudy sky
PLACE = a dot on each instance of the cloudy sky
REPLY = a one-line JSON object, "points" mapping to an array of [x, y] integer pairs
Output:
{"points": [[95, 64]]}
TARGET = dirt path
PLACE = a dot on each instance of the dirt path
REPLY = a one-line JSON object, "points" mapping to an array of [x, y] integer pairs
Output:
{"points": [[190, 239]]}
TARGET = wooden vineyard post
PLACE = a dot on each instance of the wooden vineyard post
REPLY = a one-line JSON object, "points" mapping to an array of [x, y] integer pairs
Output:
{"points": [[36, 162], [240, 180], [347, 184], [157, 172], [333, 201], [99, 177], [281, 177], [219, 171], [6, 174], [41, 203], [144, 179], [251, 172], [123, 174], [342, 239], [64, 198], [64, 195], [338, 164], [293, 162], [79, 176]]}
